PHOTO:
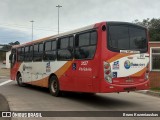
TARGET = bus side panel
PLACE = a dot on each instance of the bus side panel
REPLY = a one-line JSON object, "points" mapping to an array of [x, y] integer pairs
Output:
{"points": [[64, 75], [97, 65], [87, 73]]}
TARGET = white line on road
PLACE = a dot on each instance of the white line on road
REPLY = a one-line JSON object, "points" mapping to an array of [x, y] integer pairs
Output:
{"points": [[3, 83], [2, 76]]}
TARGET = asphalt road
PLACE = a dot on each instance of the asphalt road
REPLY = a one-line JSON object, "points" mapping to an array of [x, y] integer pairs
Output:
{"points": [[38, 99]]}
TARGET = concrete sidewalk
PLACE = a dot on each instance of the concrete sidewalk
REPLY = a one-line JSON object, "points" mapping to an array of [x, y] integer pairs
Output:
{"points": [[3, 104]]}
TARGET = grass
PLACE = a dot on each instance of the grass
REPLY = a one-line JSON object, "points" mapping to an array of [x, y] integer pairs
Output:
{"points": [[156, 89]]}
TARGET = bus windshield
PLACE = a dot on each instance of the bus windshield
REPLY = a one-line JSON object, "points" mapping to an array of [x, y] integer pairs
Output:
{"points": [[127, 37]]}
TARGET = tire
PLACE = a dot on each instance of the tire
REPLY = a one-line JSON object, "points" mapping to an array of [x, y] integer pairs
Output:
{"points": [[54, 86], [19, 80]]}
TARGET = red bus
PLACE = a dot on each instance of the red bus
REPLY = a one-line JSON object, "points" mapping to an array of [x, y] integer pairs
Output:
{"points": [[104, 57]]}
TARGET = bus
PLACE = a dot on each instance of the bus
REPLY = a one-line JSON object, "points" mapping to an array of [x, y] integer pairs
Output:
{"points": [[104, 57]]}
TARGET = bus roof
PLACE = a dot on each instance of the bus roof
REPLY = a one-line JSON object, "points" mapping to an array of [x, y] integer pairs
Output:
{"points": [[57, 36], [122, 23], [74, 31]]}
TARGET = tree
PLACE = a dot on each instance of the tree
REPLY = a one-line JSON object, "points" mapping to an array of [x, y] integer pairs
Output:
{"points": [[5, 48], [153, 26], [14, 43]]}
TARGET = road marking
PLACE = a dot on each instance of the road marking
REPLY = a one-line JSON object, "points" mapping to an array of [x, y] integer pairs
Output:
{"points": [[3, 76], [3, 83]]}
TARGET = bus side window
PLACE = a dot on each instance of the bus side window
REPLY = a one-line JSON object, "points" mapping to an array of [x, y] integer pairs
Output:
{"points": [[50, 50], [65, 48], [30, 53], [26, 57], [85, 45], [38, 52], [20, 54], [35, 52]]}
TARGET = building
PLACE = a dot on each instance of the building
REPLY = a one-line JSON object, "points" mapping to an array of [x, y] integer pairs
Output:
{"points": [[154, 48], [7, 59]]}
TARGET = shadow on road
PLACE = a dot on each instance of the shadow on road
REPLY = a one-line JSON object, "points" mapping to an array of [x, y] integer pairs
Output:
{"points": [[100, 100], [104, 100]]}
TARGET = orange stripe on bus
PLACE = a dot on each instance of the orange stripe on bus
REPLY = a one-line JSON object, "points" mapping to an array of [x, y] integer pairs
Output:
{"points": [[63, 69], [44, 81], [139, 73], [117, 57]]}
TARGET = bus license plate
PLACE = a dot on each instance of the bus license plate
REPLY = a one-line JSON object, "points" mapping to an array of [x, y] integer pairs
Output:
{"points": [[129, 80]]}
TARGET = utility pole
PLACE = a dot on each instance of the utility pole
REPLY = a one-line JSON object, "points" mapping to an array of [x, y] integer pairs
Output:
{"points": [[32, 29], [58, 16]]}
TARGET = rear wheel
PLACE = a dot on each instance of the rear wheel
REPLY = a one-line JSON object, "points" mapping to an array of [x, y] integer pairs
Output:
{"points": [[19, 80], [54, 86]]}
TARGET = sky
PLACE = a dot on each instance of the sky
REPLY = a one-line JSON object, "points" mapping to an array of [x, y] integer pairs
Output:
{"points": [[15, 15]]}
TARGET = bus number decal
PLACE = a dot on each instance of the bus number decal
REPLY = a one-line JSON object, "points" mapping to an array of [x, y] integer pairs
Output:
{"points": [[84, 63]]}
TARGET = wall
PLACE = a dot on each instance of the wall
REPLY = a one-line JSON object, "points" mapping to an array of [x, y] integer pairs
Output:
{"points": [[154, 79], [7, 59], [154, 75]]}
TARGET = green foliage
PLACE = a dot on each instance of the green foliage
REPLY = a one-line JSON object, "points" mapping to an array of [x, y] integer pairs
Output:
{"points": [[8, 46], [157, 89], [5, 48], [153, 26], [14, 43]]}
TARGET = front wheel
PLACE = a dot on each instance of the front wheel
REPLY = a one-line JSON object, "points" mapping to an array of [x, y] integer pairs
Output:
{"points": [[19, 80], [54, 86]]}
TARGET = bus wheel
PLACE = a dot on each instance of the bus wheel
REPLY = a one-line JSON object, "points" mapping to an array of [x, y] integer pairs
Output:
{"points": [[54, 87], [19, 80]]}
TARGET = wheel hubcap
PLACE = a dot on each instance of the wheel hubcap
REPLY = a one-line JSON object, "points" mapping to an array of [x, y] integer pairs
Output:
{"points": [[54, 86], [20, 80]]}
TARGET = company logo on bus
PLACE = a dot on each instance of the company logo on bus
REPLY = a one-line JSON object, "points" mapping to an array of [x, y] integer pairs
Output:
{"points": [[127, 64]]}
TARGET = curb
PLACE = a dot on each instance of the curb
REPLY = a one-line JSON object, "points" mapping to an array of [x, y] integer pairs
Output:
{"points": [[4, 107], [153, 93], [149, 92]]}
